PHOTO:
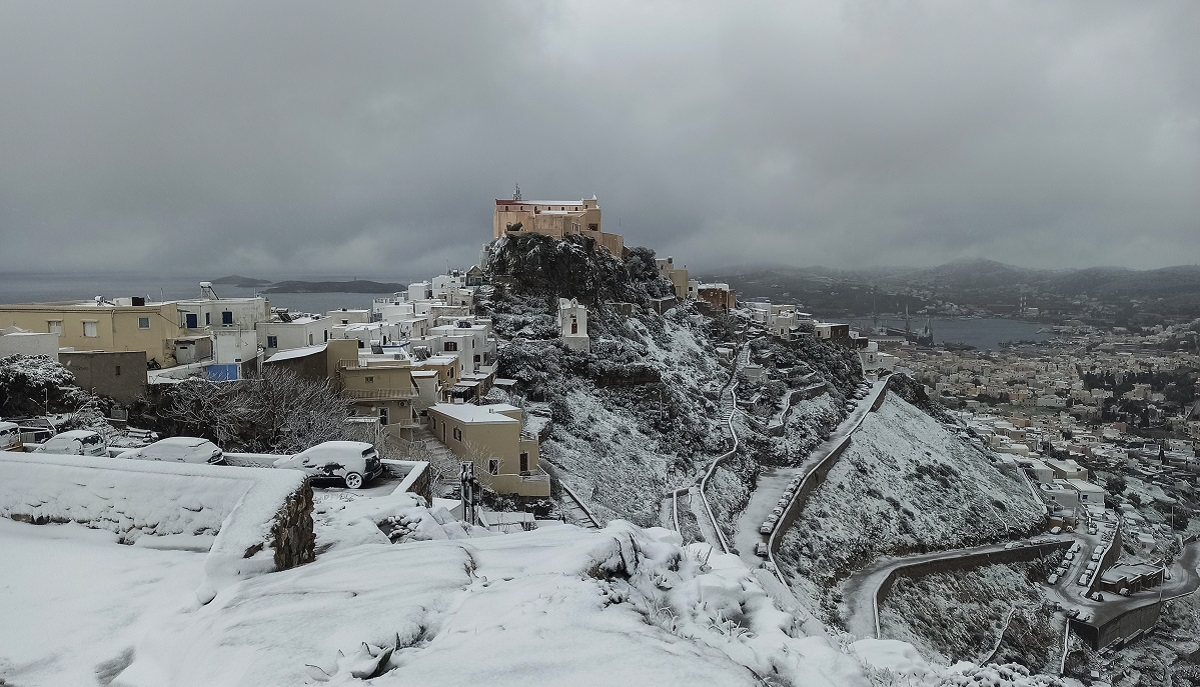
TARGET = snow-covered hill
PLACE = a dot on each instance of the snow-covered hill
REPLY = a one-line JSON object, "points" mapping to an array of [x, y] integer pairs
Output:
{"points": [[638, 415], [906, 484]]}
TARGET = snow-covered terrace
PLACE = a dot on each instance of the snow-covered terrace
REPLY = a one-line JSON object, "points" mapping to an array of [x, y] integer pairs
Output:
{"points": [[237, 515]]}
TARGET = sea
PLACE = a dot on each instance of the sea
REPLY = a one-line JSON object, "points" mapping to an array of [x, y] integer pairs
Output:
{"points": [[36, 287], [983, 333]]}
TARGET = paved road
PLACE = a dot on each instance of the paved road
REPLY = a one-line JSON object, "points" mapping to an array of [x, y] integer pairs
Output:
{"points": [[860, 588], [774, 481]]}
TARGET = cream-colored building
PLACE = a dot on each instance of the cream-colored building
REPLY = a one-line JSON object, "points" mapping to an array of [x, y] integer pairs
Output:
{"points": [[383, 389], [122, 325], [490, 437], [678, 276], [556, 218]]}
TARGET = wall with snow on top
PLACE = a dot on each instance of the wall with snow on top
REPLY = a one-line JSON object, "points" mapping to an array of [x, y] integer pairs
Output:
{"points": [[250, 521]]}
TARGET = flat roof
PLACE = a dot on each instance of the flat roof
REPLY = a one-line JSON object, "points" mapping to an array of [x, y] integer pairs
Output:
{"points": [[473, 414], [296, 353]]}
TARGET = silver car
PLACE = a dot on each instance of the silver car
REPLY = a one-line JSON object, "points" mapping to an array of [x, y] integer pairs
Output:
{"points": [[179, 450]]}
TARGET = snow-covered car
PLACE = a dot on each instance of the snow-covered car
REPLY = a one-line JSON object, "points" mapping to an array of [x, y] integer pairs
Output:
{"points": [[766, 527], [354, 463], [178, 450], [1053, 579], [10, 436], [76, 442], [760, 549]]}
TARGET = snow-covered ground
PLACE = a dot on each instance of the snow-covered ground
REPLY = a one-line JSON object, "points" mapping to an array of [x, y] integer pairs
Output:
{"points": [[620, 606], [905, 484], [559, 605], [74, 603]]}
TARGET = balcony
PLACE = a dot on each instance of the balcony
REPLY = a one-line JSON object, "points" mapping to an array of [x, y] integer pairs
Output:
{"points": [[381, 394]]}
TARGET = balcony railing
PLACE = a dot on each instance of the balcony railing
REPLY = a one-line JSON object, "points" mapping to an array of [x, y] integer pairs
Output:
{"points": [[381, 394]]}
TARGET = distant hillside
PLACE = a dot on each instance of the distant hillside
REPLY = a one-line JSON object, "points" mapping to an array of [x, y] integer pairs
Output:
{"points": [[355, 286], [1169, 291], [239, 280]]}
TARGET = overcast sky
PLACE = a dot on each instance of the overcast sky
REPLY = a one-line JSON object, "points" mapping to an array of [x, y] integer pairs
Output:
{"points": [[366, 138]]}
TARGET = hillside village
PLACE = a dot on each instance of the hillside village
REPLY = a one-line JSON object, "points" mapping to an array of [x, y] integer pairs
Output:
{"points": [[735, 476]]}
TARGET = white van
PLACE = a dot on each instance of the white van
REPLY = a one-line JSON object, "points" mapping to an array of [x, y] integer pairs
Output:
{"points": [[77, 442], [10, 436]]}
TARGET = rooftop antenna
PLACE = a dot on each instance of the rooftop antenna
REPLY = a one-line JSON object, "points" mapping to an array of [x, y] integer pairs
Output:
{"points": [[517, 192]]}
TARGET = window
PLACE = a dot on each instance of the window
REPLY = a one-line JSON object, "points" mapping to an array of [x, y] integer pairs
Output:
{"points": [[327, 335], [457, 434], [117, 372], [54, 326], [369, 380], [89, 329], [494, 466], [226, 317], [450, 346], [143, 323], [272, 342], [477, 358], [207, 319], [524, 462]]}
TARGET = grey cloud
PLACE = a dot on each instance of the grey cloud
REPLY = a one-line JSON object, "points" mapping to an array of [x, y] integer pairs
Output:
{"points": [[370, 137]]}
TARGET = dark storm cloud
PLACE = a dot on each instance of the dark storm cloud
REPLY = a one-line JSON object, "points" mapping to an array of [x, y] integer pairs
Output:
{"points": [[370, 138]]}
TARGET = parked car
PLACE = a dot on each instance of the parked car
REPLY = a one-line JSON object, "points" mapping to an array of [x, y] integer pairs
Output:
{"points": [[766, 527], [10, 436], [179, 450], [77, 442], [354, 463], [760, 549]]}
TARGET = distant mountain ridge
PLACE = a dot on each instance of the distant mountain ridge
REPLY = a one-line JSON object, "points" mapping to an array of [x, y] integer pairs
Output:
{"points": [[239, 280], [981, 273], [986, 285]]}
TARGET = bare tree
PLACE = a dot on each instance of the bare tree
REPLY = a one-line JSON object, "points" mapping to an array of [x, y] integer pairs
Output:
{"points": [[275, 412]]}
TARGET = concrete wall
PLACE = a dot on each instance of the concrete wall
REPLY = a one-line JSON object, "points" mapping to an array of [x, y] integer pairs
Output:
{"points": [[120, 376], [1022, 554], [1120, 629], [29, 343]]}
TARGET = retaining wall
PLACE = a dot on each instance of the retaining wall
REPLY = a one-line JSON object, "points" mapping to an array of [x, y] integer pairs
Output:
{"points": [[1119, 630], [1021, 554], [812, 480]]}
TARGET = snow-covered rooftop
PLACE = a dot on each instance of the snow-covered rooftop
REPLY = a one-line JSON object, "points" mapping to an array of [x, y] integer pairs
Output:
{"points": [[473, 414], [296, 353]]}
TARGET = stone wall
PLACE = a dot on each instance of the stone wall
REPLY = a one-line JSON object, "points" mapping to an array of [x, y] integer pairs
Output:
{"points": [[292, 537]]}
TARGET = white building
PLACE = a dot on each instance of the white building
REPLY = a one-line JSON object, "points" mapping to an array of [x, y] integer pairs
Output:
{"points": [[572, 323], [288, 331]]}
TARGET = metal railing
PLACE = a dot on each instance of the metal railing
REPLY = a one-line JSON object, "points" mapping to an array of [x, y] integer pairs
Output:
{"points": [[380, 394]]}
